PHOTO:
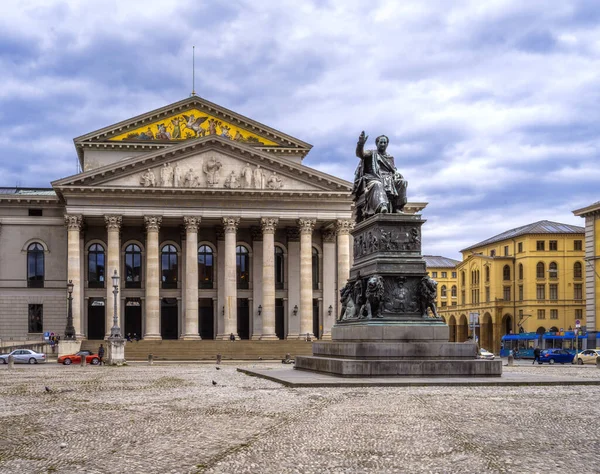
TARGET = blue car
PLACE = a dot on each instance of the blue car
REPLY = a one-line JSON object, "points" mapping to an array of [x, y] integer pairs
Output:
{"points": [[552, 356]]}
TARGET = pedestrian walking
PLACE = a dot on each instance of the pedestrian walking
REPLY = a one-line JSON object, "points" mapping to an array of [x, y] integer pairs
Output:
{"points": [[52, 344], [536, 354], [100, 354]]}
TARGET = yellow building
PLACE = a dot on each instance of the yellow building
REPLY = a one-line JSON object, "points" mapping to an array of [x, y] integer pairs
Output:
{"points": [[528, 279], [443, 270], [591, 214]]}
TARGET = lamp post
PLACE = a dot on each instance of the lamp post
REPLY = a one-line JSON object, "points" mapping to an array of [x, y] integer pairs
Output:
{"points": [[70, 329], [115, 331]]}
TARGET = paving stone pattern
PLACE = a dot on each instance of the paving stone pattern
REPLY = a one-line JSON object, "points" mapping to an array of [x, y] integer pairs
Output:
{"points": [[172, 419]]}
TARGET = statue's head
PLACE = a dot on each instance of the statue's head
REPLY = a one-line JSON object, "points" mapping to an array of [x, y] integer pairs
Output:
{"points": [[382, 142]]}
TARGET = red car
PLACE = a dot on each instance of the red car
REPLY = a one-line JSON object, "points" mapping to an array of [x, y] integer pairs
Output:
{"points": [[76, 358]]}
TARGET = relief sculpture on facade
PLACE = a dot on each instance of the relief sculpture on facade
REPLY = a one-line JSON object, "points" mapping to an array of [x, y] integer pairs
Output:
{"points": [[387, 240], [211, 170]]}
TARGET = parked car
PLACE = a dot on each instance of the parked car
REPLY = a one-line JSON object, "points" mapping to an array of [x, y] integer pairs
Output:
{"points": [[69, 359], [588, 356], [24, 356], [551, 356], [483, 354]]}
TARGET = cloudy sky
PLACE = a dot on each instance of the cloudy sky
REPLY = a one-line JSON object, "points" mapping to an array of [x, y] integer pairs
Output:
{"points": [[492, 108]]}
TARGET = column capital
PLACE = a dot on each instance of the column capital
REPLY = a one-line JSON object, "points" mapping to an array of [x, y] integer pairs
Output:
{"points": [[306, 225], [344, 226], [268, 224], [73, 221], [113, 221], [153, 223], [257, 234], [230, 224], [328, 235], [191, 223]]}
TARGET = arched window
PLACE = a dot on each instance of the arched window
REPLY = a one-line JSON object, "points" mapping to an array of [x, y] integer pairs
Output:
{"points": [[205, 267], [443, 291], [506, 273], [279, 268], [577, 273], [520, 271], [133, 266], [96, 266], [487, 274], [539, 270], [462, 277], [553, 270], [242, 261], [315, 268], [35, 265], [168, 260], [453, 290]]}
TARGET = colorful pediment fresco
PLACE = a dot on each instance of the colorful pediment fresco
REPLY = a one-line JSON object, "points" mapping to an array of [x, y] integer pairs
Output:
{"points": [[191, 124]]}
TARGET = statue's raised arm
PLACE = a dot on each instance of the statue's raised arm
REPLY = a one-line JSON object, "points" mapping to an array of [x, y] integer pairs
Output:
{"points": [[360, 145]]}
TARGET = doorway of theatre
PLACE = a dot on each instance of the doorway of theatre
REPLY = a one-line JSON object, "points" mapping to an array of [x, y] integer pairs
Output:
{"points": [[243, 318], [96, 318], [279, 320], [206, 318], [133, 316], [316, 325], [168, 318]]}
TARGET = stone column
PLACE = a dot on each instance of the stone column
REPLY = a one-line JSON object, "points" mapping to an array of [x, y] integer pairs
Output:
{"points": [[268, 225], [329, 275], [230, 225], [293, 272], [73, 223], [113, 228], [343, 228], [306, 290], [191, 278], [152, 277]]}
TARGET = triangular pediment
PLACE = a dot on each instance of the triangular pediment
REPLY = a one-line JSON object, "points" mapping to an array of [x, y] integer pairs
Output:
{"points": [[208, 164]]}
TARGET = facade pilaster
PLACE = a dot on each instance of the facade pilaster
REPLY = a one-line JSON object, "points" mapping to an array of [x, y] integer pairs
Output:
{"points": [[220, 301], [113, 229], [191, 278], [257, 276], [268, 225], [152, 314], [306, 227], [293, 299], [329, 276], [74, 223], [230, 225]]}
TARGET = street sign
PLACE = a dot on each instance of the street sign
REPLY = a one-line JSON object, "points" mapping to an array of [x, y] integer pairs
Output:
{"points": [[577, 323], [474, 318]]}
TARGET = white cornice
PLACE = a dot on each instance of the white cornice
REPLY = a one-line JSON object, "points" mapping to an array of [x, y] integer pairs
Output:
{"points": [[26, 220]]}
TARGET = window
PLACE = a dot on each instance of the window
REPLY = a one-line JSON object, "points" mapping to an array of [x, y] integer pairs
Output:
{"points": [[520, 271], [453, 291], [553, 270], [540, 245], [96, 266], [433, 274], [206, 267], [35, 266], [36, 318], [579, 314], [444, 275], [242, 262], [520, 292], [462, 297], [506, 250], [577, 272], [577, 245], [506, 293], [541, 314], [492, 253], [520, 247], [541, 292], [553, 291], [487, 294], [443, 291], [454, 303], [487, 274], [539, 270], [36, 212], [553, 314], [315, 268], [577, 291], [444, 304], [453, 274], [168, 261], [462, 277], [133, 266], [279, 268], [553, 245], [506, 273]]}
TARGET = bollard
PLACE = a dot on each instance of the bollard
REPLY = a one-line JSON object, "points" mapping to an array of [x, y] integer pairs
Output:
{"points": [[82, 361], [150, 359], [598, 362], [11, 361], [218, 359], [511, 359]]}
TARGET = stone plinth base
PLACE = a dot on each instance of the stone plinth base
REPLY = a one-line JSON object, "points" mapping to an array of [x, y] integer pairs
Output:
{"points": [[116, 351], [68, 347]]}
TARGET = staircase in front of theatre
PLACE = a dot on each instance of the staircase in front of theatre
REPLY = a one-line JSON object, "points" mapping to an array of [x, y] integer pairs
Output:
{"points": [[208, 349]]}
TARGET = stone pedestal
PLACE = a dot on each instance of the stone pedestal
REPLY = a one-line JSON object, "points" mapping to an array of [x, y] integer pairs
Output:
{"points": [[116, 351], [68, 347]]}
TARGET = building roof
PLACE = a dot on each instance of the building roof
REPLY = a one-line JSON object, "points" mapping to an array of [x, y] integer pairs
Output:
{"points": [[28, 191], [591, 209], [540, 227], [435, 261]]}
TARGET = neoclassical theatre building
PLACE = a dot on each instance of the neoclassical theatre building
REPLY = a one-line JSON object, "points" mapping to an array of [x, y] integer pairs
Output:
{"points": [[212, 222]]}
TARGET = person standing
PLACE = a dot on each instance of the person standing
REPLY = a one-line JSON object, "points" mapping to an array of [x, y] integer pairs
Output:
{"points": [[100, 354], [536, 354]]}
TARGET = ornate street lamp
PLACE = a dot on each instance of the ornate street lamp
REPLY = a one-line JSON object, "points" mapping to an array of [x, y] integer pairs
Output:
{"points": [[70, 329], [259, 309], [115, 331]]}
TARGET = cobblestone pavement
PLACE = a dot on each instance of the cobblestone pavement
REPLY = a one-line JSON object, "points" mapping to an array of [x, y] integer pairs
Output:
{"points": [[171, 418]]}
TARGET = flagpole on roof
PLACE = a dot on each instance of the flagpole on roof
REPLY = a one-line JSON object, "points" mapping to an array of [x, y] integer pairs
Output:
{"points": [[193, 71]]}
